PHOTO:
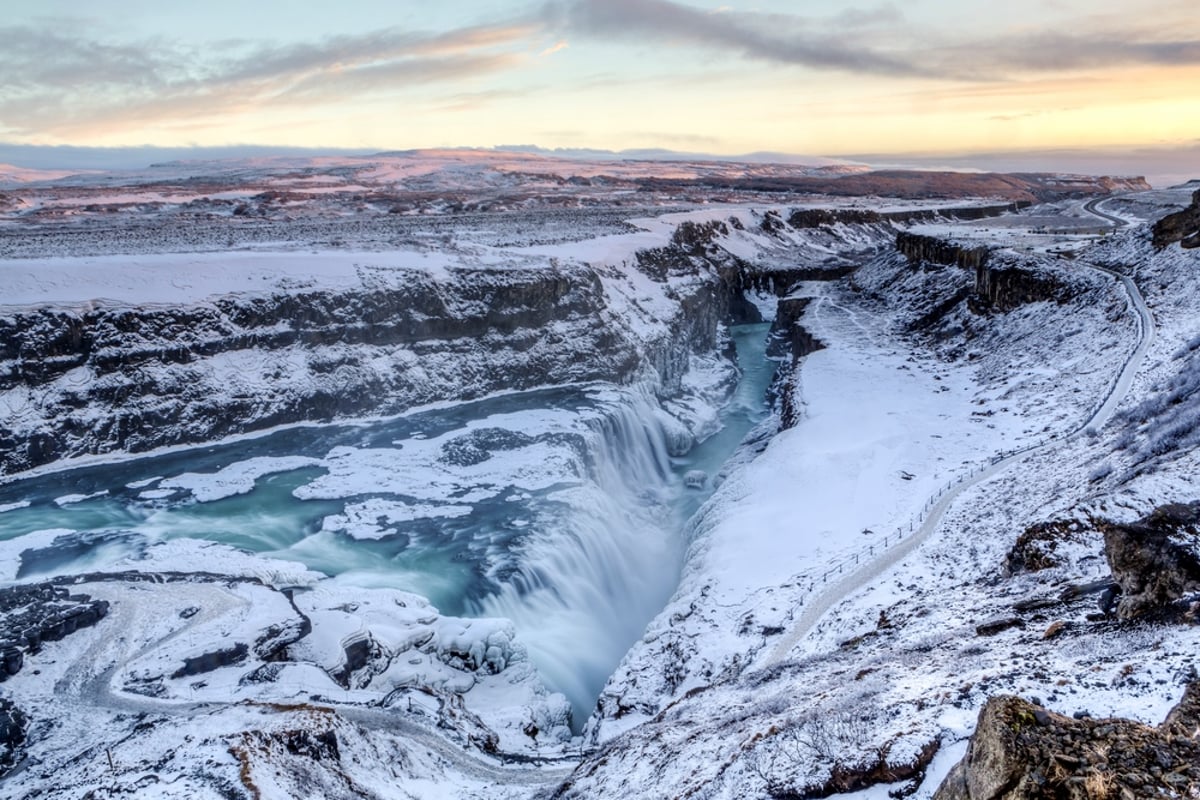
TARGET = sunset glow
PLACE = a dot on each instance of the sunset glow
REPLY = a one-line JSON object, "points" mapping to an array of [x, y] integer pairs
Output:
{"points": [[924, 77]]}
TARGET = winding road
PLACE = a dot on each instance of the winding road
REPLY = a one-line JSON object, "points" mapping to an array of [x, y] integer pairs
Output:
{"points": [[834, 593], [1093, 207]]}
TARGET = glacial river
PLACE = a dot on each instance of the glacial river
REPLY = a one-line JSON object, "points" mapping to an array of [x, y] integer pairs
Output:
{"points": [[560, 509]]}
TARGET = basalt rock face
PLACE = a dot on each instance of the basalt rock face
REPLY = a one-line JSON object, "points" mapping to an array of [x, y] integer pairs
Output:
{"points": [[1156, 560], [1002, 282], [788, 342], [921, 250], [1020, 751], [788, 338], [1001, 287], [31, 614], [1182, 227], [13, 728], [106, 378], [781, 282]]}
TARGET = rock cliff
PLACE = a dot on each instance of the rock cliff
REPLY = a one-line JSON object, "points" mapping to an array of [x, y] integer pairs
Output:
{"points": [[1002, 281], [1155, 561], [1021, 751], [921, 250], [111, 377], [1182, 227]]}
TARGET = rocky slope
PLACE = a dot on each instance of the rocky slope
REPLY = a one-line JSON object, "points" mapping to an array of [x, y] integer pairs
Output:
{"points": [[1021, 750], [1182, 227], [887, 685]]}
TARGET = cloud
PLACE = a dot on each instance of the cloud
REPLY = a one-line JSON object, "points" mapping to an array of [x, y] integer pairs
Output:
{"points": [[879, 41], [779, 38], [71, 82]]}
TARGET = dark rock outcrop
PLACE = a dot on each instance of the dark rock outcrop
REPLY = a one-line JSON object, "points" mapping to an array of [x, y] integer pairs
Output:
{"points": [[921, 250], [215, 659], [31, 614], [788, 342], [1154, 560], [1021, 751], [876, 770], [1001, 284], [817, 217], [1035, 549], [781, 281], [1182, 227], [788, 338], [1003, 287], [994, 626], [13, 727]]}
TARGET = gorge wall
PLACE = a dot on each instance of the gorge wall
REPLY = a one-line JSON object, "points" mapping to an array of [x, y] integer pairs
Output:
{"points": [[121, 378], [1002, 281], [111, 376]]}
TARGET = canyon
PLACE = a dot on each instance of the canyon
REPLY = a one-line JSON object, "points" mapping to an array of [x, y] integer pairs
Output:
{"points": [[326, 504]]}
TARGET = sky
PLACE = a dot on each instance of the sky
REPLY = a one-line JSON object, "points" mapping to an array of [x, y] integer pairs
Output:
{"points": [[956, 82]]}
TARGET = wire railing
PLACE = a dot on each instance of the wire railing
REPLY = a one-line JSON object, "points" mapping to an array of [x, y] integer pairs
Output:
{"points": [[915, 525]]}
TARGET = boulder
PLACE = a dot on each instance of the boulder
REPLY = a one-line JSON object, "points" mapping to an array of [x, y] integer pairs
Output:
{"points": [[1021, 751], [1182, 227], [1154, 560]]}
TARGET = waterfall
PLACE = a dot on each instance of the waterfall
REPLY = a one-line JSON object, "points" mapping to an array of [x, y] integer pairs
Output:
{"points": [[590, 579]]}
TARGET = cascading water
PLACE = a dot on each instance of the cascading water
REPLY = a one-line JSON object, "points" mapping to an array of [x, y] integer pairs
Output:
{"points": [[559, 509], [591, 578]]}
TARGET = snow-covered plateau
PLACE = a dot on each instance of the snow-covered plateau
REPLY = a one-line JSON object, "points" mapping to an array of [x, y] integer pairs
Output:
{"points": [[765, 496]]}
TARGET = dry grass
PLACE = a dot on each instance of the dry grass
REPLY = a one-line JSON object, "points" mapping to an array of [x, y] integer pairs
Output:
{"points": [[1099, 785]]}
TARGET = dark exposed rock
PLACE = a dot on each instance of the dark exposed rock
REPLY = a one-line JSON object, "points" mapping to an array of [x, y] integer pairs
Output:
{"points": [[303, 761], [965, 213], [1035, 548], [358, 655], [215, 659], [478, 445], [13, 727], [780, 281], [788, 341], [921, 250], [1184, 719], [1023, 752], [1154, 560], [35, 613], [1001, 283], [1005, 287], [818, 217], [876, 771], [992, 627], [697, 237], [1182, 227], [788, 338]]}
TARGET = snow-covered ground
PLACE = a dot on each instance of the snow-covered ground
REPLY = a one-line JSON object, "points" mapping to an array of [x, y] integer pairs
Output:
{"points": [[897, 665], [718, 698]]}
